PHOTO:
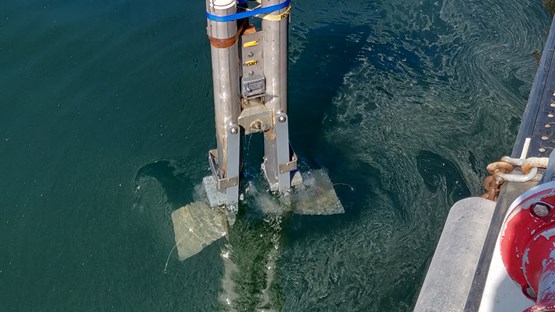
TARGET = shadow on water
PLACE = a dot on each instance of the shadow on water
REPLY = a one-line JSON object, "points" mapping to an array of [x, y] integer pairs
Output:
{"points": [[315, 79], [172, 179], [332, 51]]}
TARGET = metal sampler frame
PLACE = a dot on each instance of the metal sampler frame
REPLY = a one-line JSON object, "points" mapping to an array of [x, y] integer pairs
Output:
{"points": [[249, 70]]}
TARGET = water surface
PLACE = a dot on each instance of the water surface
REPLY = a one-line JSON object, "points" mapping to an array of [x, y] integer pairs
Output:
{"points": [[106, 117]]}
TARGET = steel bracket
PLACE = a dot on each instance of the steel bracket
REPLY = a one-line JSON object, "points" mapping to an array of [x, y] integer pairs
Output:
{"points": [[289, 166], [221, 183], [255, 118], [253, 82], [223, 186]]}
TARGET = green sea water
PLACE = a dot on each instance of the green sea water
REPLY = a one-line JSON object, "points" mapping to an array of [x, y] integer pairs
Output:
{"points": [[106, 117]]}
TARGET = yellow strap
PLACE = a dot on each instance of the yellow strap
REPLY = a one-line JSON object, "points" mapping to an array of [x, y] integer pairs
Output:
{"points": [[277, 17], [249, 44], [250, 62]]}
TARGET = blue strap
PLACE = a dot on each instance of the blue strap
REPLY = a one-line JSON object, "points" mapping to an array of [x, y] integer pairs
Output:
{"points": [[236, 16]]}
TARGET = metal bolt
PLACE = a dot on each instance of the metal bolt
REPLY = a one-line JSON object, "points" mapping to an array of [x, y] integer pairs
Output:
{"points": [[234, 130], [541, 210], [530, 293], [282, 119], [257, 125], [251, 54], [251, 73]]}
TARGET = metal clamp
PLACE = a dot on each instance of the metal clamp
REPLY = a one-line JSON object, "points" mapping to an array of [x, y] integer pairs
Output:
{"points": [[289, 166], [221, 183]]}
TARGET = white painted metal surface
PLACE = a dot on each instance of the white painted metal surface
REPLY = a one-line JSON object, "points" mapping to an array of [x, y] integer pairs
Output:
{"points": [[501, 293]]}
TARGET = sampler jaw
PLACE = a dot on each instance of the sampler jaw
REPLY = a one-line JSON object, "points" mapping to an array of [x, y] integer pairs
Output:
{"points": [[198, 225]]}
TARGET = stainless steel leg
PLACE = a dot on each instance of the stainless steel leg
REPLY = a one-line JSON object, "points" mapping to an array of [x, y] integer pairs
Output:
{"points": [[224, 160], [277, 153]]}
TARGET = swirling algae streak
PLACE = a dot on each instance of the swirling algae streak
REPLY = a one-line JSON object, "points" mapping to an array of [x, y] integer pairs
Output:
{"points": [[440, 82]]}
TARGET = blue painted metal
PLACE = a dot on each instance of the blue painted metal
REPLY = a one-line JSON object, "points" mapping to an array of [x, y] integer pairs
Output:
{"points": [[247, 14]]}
